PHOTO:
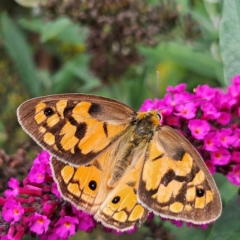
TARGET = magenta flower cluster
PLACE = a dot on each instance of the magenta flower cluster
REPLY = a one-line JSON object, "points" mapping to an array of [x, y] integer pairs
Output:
{"points": [[209, 119], [37, 208]]}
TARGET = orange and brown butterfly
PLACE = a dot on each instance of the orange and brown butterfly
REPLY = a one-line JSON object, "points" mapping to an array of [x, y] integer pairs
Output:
{"points": [[118, 164]]}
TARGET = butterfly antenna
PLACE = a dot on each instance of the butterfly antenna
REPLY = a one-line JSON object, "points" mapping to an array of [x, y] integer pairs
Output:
{"points": [[190, 101]]}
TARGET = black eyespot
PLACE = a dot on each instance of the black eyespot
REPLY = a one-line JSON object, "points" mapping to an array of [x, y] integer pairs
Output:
{"points": [[92, 185], [200, 192], [48, 112], [116, 200]]}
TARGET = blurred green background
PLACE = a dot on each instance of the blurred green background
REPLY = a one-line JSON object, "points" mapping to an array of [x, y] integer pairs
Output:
{"points": [[111, 48]]}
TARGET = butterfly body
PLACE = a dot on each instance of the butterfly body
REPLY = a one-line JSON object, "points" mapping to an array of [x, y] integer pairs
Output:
{"points": [[140, 132], [118, 164]]}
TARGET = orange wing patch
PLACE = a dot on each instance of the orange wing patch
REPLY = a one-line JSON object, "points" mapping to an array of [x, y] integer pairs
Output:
{"points": [[72, 132]]}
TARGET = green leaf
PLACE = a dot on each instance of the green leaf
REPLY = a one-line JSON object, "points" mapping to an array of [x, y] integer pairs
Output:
{"points": [[73, 34], [226, 189], [51, 29], [196, 60], [3, 134], [76, 69], [35, 25], [184, 232], [61, 29], [31, 3], [227, 227], [229, 34], [20, 53]]}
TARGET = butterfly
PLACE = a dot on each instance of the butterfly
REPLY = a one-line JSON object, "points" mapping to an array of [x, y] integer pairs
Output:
{"points": [[118, 164]]}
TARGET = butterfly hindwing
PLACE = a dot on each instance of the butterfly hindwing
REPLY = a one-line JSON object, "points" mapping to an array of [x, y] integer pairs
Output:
{"points": [[86, 186], [87, 189], [66, 125], [80, 185], [175, 183], [121, 208]]}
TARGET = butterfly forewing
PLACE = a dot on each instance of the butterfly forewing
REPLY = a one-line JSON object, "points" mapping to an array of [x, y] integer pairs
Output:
{"points": [[74, 128], [175, 183]]}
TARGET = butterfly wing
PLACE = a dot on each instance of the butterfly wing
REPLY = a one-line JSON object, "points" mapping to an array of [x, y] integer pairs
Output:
{"points": [[74, 128], [121, 209], [86, 186], [87, 189], [175, 183]]}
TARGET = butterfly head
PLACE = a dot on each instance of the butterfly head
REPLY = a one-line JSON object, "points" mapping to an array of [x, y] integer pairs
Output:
{"points": [[148, 122], [153, 117]]}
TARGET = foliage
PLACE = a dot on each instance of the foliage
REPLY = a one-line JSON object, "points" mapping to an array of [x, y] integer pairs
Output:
{"points": [[113, 48]]}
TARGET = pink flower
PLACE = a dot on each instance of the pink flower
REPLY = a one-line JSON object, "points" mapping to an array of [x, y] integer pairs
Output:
{"points": [[86, 221], [234, 88], [147, 104], [177, 223], [211, 166], [203, 226], [55, 190], [177, 89], [225, 137], [184, 98], [42, 158], [163, 107], [14, 185], [221, 156], [172, 121], [47, 208], [199, 128], [39, 223], [211, 142], [50, 235], [37, 174], [66, 226], [234, 175], [12, 211], [205, 91], [235, 156], [236, 133], [133, 230], [224, 101], [187, 110], [169, 100], [209, 111], [223, 118]]}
